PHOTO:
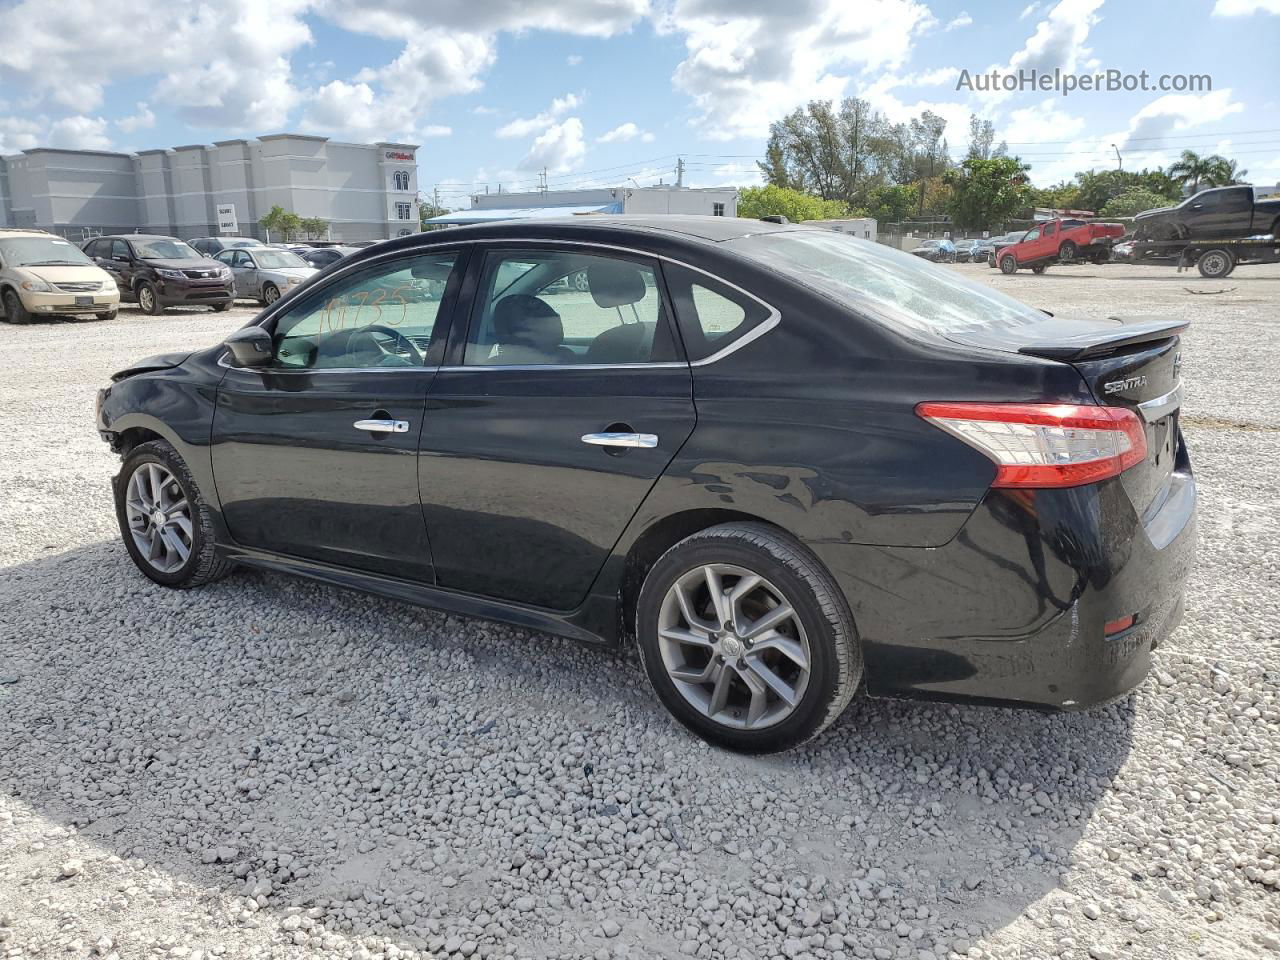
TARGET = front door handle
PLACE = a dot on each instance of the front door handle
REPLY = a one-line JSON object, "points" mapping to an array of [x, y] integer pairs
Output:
{"points": [[382, 426], [647, 440]]}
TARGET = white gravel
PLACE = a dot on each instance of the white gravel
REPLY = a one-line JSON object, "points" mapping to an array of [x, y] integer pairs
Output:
{"points": [[272, 768]]}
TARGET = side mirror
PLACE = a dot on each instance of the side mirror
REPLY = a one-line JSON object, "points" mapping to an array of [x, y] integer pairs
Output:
{"points": [[250, 347]]}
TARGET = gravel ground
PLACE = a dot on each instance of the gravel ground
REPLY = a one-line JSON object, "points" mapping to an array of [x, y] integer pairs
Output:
{"points": [[269, 767]]}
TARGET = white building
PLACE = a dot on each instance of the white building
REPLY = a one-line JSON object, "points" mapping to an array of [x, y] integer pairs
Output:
{"points": [[864, 227], [363, 191], [488, 207]]}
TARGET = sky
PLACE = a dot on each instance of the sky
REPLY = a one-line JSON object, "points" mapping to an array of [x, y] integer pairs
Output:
{"points": [[605, 92]]}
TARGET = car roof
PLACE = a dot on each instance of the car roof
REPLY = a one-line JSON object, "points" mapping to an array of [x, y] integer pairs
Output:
{"points": [[713, 229], [135, 236]]}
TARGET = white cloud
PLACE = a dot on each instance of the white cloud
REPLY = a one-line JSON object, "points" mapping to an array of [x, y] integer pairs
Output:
{"points": [[560, 148], [1029, 10], [624, 133], [18, 133], [962, 20], [573, 59], [747, 64], [144, 119], [524, 127], [222, 65], [436, 130], [79, 133], [1059, 39], [392, 101], [1244, 8]]}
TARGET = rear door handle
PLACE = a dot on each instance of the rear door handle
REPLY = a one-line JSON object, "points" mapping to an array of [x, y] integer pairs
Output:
{"points": [[648, 440], [382, 426]]}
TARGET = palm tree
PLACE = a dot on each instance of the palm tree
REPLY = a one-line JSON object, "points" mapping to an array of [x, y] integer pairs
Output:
{"points": [[1192, 168], [1227, 173]]}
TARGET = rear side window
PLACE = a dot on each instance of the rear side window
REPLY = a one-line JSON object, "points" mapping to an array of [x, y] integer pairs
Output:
{"points": [[712, 314]]}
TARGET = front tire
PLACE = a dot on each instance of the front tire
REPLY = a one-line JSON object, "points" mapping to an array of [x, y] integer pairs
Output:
{"points": [[222, 307], [109, 315], [1067, 252], [14, 311], [1009, 264], [1039, 268], [746, 639], [270, 294], [149, 299], [165, 522]]}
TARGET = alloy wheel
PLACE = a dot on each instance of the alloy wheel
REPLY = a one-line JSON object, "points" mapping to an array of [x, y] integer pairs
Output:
{"points": [[146, 299], [270, 295], [733, 646], [159, 517]]}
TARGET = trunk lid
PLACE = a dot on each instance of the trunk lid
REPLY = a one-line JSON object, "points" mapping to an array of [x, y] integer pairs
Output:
{"points": [[1133, 364]]}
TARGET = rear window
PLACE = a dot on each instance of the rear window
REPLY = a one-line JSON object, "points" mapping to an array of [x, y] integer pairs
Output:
{"points": [[884, 283]]}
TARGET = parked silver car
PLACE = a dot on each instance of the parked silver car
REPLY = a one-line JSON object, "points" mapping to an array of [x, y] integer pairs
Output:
{"points": [[211, 246], [265, 273]]}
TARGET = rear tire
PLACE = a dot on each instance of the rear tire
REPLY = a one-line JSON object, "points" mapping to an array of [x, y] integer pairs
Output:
{"points": [[789, 681], [109, 315], [14, 311], [149, 299], [1009, 264], [1040, 268], [188, 523], [1216, 263]]}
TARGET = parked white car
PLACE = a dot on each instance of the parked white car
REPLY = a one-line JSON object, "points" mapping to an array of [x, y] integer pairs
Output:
{"points": [[41, 274], [265, 274]]}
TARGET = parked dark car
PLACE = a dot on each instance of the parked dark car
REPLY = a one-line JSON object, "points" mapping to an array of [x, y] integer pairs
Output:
{"points": [[1219, 214], [788, 463], [159, 272], [211, 246], [936, 251], [321, 257]]}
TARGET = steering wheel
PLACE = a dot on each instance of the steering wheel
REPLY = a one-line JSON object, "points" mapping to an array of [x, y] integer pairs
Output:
{"points": [[400, 339]]}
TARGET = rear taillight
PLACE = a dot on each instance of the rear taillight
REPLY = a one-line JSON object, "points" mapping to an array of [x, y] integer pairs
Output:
{"points": [[1045, 444]]}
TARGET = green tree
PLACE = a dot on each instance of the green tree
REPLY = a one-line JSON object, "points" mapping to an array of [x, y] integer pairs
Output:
{"points": [[1098, 188], [771, 201], [427, 210], [314, 227], [892, 204], [284, 223], [1062, 196], [1191, 168], [1226, 173], [987, 192], [1132, 202]]}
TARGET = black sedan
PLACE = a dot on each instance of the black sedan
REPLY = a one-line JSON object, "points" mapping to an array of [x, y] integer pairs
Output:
{"points": [[789, 464]]}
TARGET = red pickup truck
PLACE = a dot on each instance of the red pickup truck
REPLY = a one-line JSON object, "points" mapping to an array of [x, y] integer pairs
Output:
{"points": [[1060, 241]]}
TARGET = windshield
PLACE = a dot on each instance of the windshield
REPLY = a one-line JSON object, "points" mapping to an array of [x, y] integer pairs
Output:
{"points": [[40, 251], [278, 259], [884, 283], [164, 250]]}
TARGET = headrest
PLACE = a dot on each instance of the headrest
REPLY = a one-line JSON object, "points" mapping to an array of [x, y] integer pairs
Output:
{"points": [[613, 284], [528, 321]]}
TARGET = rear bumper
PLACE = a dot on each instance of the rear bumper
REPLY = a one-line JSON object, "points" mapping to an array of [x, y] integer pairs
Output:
{"points": [[1012, 610]]}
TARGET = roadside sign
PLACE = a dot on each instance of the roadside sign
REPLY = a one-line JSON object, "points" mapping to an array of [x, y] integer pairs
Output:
{"points": [[227, 222]]}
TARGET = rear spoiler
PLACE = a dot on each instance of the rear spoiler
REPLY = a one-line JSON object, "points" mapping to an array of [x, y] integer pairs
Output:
{"points": [[1100, 343]]}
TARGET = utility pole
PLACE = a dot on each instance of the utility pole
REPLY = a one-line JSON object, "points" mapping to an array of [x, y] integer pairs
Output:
{"points": [[542, 181], [435, 197], [679, 172], [1119, 161]]}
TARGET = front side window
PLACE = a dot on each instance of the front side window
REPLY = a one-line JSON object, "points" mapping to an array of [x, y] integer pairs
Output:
{"points": [[1032, 235], [120, 250], [556, 307], [384, 316]]}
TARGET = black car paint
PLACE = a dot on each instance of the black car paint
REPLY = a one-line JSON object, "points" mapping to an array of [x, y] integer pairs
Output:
{"points": [[957, 590], [201, 287], [1222, 213]]}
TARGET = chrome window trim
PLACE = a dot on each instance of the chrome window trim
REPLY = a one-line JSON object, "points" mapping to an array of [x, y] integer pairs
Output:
{"points": [[1158, 407], [755, 333]]}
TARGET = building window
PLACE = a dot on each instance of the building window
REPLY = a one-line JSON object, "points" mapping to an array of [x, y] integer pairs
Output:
{"points": [[401, 178], [717, 209], [404, 211]]}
